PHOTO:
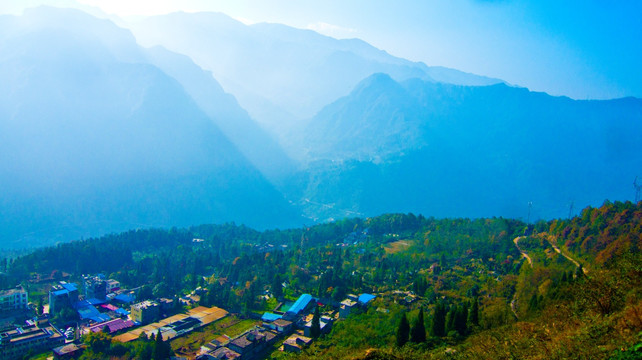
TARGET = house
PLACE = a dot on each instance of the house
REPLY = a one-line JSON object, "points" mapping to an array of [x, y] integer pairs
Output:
{"points": [[364, 299], [95, 287], [299, 306], [62, 295], [346, 307], [13, 299], [220, 341], [252, 342], [112, 285], [145, 312], [112, 325], [166, 304], [296, 343], [325, 323], [221, 354], [17, 342], [125, 298], [69, 351], [269, 317], [281, 326]]}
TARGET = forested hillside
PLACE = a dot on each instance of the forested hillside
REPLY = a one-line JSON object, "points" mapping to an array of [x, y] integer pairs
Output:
{"points": [[485, 288]]}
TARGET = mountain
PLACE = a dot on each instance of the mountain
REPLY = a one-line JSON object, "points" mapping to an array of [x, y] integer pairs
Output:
{"points": [[281, 74], [254, 142], [94, 138], [448, 150]]}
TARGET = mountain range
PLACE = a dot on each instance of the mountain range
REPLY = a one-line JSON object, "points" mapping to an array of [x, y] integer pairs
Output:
{"points": [[185, 119], [95, 138]]}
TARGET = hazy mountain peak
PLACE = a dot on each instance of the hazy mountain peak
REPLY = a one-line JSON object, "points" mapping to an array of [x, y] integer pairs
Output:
{"points": [[77, 24]]}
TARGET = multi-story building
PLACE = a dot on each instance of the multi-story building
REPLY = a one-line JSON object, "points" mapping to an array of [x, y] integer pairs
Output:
{"points": [[112, 285], [62, 295], [13, 299], [95, 287], [17, 342], [145, 312]]}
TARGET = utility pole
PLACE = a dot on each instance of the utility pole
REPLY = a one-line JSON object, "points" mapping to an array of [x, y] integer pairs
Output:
{"points": [[637, 188], [570, 210]]}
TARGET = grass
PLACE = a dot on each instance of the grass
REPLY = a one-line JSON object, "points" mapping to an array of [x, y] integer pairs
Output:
{"points": [[191, 343], [397, 246]]}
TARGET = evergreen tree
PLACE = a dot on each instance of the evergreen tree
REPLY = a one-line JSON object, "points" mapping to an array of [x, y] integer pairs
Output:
{"points": [[579, 272], [461, 315], [438, 327], [418, 331], [450, 320], [403, 331], [277, 288], [315, 329], [473, 314], [162, 349]]}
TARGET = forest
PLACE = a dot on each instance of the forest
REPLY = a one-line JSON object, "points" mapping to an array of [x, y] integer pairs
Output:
{"points": [[446, 288]]}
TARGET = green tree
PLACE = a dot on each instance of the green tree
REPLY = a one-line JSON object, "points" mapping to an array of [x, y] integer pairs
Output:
{"points": [[403, 331], [418, 331], [315, 329], [473, 314], [438, 327], [277, 288]]}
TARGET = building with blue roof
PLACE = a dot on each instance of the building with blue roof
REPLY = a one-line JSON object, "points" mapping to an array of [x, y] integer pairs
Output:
{"points": [[301, 303], [269, 317], [365, 298], [62, 295], [124, 298]]}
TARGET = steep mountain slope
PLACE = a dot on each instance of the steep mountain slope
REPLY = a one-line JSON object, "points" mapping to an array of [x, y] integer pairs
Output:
{"points": [[93, 139], [297, 71], [262, 150], [449, 150]]}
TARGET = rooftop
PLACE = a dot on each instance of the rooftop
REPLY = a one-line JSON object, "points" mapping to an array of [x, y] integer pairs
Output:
{"points": [[283, 323], [241, 342], [297, 340], [145, 304], [300, 304], [11, 291], [366, 298], [268, 316]]}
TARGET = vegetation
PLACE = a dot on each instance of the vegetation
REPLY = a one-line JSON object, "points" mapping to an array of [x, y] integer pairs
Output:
{"points": [[456, 288]]}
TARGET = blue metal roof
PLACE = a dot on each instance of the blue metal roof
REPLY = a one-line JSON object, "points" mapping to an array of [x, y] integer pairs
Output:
{"points": [[300, 304], [124, 298], [122, 311], [365, 298], [268, 316], [88, 312], [94, 301], [70, 286]]}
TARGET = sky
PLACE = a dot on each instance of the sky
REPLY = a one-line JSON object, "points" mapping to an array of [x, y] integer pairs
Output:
{"points": [[582, 49]]}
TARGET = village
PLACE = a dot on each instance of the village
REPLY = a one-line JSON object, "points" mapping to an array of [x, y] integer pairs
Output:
{"points": [[99, 304]]}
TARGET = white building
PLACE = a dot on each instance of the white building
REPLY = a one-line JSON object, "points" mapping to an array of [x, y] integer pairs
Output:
{"points": [[13, 299]]}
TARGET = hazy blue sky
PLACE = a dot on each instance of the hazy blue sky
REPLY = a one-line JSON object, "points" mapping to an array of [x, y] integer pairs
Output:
{"points": [[583, 49]]}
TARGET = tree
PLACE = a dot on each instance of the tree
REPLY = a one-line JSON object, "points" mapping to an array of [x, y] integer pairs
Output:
{"points": [[473, 314], [403, 331], [461, 315], [439, 321], [162, 350], [277, 288], [315, 329], [418, 331]]}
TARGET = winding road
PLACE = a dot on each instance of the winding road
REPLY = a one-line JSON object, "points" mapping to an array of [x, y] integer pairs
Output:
{"points": [[557, 249], [524, 254]]}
